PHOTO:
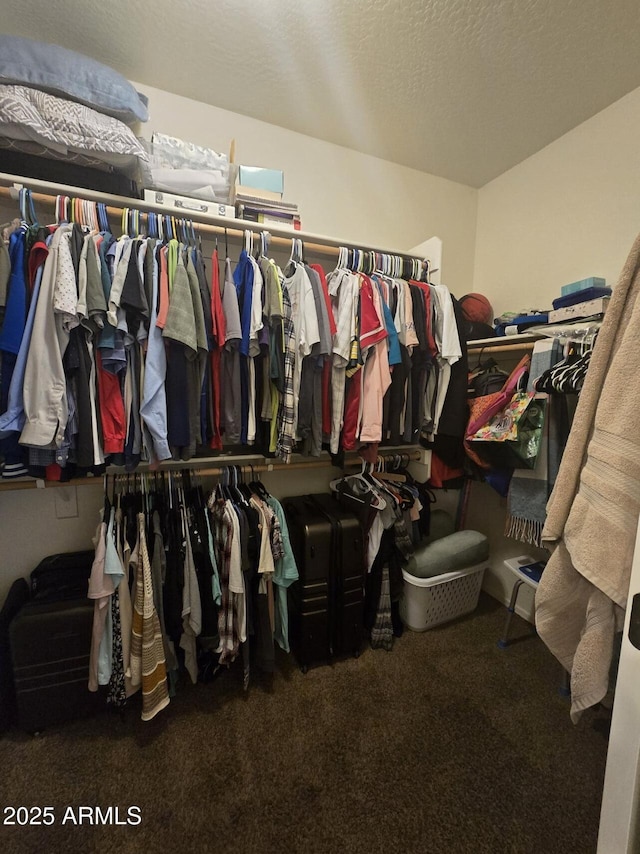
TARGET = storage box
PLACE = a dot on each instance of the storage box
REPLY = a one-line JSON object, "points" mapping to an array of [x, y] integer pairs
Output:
{"points": [[583, 285], [185, 169], [185, 205], [580, 309], [428, 602], [259, 178]]}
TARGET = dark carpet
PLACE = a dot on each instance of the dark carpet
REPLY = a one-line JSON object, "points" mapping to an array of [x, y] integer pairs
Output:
{"points": [[446, 744]]}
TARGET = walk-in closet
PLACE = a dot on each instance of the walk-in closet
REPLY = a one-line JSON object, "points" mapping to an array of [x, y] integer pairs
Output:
{"points": [[318, 477]]}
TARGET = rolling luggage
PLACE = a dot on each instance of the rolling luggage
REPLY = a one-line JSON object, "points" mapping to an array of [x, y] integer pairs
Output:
{"points": [[17, 596], [347, 577], [50, 641], [326, 604], [50, 646], [310, 537]]}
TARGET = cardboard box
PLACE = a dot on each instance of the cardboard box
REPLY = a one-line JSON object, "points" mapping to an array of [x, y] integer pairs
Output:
{"points": [[185, 206], [580, 309], [583, 285]]}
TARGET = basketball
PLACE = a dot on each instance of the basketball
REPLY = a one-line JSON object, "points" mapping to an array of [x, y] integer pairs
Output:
{"points": [[476, 308]]}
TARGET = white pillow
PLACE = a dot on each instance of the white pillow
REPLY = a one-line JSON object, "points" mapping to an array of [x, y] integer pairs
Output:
{"points": [[62, 125]]}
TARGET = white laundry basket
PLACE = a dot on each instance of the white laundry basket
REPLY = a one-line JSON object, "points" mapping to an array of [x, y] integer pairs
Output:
{"points": [[428, 602]]}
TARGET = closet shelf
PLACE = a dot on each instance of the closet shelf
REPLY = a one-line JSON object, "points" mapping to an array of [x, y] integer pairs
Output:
{"points": [[526, 340], [204, 469], [505, 344], [45, 192]]}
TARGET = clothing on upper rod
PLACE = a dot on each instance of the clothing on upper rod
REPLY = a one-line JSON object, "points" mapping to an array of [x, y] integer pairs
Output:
{"points": [[127, 350]]}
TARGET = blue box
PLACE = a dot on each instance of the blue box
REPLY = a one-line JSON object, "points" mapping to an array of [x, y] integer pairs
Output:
{"points": [[583, 285], [261, 179]]}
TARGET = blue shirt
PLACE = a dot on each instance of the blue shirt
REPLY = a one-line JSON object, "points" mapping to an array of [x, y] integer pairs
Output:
{"points": [[395, 356], [13, 419], [243, 280], [15, 314]]}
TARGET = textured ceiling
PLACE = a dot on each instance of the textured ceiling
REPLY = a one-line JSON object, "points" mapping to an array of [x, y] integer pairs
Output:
{"points": [[463, 89]]}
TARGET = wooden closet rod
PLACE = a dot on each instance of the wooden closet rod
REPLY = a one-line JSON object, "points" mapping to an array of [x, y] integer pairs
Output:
{"points": [[235, 229], [215, 471], [507, 348]]}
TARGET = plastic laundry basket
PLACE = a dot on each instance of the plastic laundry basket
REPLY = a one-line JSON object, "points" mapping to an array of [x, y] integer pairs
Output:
{"points": [[428, 602]]}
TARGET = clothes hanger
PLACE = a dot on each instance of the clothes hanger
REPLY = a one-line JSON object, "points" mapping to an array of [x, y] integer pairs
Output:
{"points": [[265, 238], [27, 210], [292, 256], [59, 210], [382, 474], [103, 218], [258, 486], [197, 239], [375, 499]]}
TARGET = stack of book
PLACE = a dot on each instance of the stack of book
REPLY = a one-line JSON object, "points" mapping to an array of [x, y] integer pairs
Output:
{"points": [[258, 197], [267, 208], [579, 300]]}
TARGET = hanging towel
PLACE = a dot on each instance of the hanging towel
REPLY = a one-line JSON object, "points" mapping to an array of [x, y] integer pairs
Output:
{"points": [[147, 655], [592, 514]]}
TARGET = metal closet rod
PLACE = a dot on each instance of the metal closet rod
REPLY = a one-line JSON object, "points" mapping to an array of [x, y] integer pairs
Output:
{"points": [[330, 248], [215, 471]]}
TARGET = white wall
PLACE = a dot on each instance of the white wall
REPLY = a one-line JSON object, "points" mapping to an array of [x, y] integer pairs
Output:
{"points": [[341, 193], [570, 211]]}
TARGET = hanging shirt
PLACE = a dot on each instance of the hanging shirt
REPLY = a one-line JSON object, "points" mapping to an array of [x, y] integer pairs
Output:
{"points": [[100, 588], [343, 289], [243, 280], [287, 405], [44, 392], [285, 573], [153, 407], [16, 307], [13, 419], [256, 323]]}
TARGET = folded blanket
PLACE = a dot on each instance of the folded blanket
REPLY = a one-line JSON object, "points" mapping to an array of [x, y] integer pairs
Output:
{"points": [[581, 296]]}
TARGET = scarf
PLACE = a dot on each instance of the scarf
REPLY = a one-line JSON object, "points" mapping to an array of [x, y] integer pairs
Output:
{"points": [[529, 489]]}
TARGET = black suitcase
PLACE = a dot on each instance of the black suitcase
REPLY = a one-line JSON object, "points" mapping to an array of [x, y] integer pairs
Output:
{"points": [[346, 578], [310, 537], [62, 576], [17, 596], [50, 647]]}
